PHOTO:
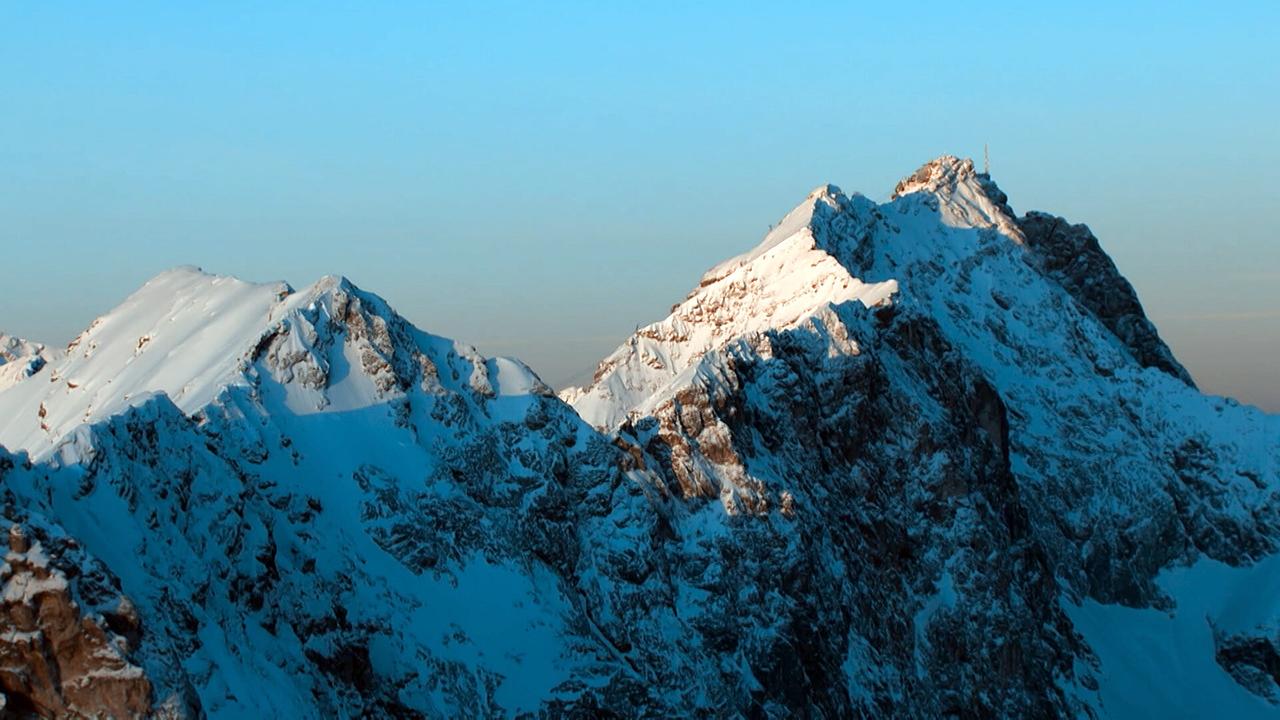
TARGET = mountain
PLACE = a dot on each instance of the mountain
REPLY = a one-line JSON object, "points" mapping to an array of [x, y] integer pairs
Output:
{"points": [[20, 359], [921, 458], [313, 507], [963, 413]]}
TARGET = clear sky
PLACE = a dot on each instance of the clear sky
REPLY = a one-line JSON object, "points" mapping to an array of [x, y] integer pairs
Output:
{"points": [[538, 178]]}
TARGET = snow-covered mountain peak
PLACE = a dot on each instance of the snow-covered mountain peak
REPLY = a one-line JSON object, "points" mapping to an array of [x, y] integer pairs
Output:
{"points": [[16, 350], [13, 348], [828, 193], [782, 282], [948, 232], [184, 333], [193, 336], [242, 499], [332, 282], [1017, 391], [942, 174], [821, 204], [962, 196]]}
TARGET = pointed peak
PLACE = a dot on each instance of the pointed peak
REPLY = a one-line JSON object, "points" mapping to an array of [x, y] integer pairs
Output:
{"points": [[821, 202], [828, 193], [965, 195], [333, 282], [941, 174]]}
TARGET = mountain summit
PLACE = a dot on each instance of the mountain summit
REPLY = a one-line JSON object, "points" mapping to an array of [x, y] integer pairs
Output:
{"points": [[921, 458]]}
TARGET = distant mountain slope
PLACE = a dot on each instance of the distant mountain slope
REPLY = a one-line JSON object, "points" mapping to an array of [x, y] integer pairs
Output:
{"points": [[915, 459], [20, 359]]}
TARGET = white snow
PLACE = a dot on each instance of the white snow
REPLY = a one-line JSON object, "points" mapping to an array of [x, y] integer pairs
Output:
{"points": [[259, 364], [184, 333], [191, 335], [963, 203]]}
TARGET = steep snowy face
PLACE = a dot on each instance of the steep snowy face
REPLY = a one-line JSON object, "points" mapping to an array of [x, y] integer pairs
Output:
{"points": [[302, 487], [20, 359], [184, 333]]}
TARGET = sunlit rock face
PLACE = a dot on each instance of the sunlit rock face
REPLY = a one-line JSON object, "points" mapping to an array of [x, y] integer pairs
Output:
{"points": [[66, 633], [921, 458]]}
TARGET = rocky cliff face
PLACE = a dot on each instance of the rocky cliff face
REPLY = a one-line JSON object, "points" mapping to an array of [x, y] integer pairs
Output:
{"points": [[1070, 255], [876, 529], [920, 458], [66, 633]]}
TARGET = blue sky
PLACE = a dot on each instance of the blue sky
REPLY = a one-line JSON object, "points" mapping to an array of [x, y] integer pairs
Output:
{"points": [[539, 178]]}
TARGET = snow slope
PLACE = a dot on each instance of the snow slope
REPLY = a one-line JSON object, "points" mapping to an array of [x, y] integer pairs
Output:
{"points": [[1158, 663]]}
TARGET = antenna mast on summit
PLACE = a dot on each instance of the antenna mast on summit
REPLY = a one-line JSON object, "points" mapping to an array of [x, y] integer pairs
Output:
{"points": [[986, 160]]}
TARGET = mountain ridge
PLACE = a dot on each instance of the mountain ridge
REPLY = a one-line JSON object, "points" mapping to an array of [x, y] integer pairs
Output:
{"points": [[962, 198]]}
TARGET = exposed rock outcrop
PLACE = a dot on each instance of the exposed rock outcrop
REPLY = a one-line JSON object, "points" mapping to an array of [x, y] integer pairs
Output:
{"points": [[56, 660]]}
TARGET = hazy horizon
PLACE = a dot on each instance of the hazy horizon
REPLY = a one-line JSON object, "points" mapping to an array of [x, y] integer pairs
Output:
{"points": [[540, 194]]}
